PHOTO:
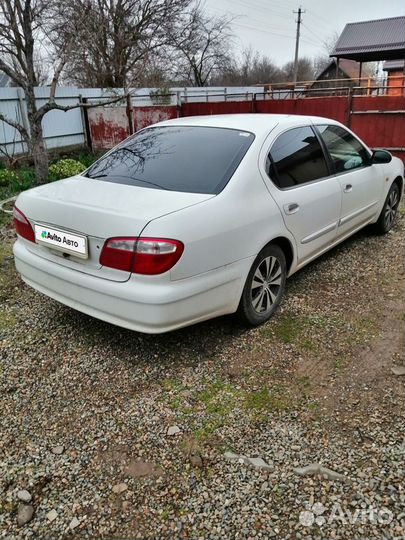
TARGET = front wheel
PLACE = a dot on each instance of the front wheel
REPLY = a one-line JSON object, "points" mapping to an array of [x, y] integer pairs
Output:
{"points": [[264, 287], [389, 211]]}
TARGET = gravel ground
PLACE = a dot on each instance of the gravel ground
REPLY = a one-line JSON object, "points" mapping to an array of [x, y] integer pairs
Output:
{"points": [[115, 434]]}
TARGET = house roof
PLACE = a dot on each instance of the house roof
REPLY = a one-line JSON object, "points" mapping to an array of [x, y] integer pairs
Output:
{"points": [[351, 68], [367, 41], [393, 65]]}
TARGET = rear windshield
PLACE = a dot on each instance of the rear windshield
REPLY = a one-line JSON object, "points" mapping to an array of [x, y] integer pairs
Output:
{"points": [[191, 159]]}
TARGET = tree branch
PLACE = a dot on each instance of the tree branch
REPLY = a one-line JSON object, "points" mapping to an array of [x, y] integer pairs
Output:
{"points": [[12, 73], [16, 125], [53, 106]]}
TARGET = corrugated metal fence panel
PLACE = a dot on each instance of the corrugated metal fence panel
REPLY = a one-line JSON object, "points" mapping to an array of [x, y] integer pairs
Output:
{"points": [[61, 128], [9, 106], [380, 123], [65, 129], [196, 109], [336, 108], [145, 116], [108, 126]]}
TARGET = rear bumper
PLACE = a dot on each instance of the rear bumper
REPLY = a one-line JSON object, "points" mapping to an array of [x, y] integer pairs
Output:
{"points": [[152, 305]]}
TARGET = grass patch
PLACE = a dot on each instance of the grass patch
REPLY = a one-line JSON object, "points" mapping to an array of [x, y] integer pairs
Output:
{"points": [[294, 328], [309, 332], [6, 252], [360, 330], [173, 385], [208, 429], [340, 364], [218, 399], [5, 219], [7, 270], [267, 400], [287, 329], [7, 320]]}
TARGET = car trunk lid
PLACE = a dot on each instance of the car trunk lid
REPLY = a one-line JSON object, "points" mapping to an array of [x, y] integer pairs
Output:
{"points": [[96, 210]]}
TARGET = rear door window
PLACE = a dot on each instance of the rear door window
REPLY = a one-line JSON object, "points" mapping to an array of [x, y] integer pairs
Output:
{"points": [[295, 158], [346, 151], [192, 159]]}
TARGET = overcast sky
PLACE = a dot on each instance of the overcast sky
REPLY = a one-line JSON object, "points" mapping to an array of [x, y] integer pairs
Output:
{"points": [[269, 25]]}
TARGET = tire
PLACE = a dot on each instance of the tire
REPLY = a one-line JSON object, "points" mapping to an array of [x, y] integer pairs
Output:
{"points": [[264, 287], [388, 213]]}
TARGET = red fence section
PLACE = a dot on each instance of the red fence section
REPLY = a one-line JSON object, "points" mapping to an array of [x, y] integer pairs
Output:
{"points": [[330, 107], [336, 108], [145, 116], [378, 120], [227, 107], [107, 126], [110, 125]]}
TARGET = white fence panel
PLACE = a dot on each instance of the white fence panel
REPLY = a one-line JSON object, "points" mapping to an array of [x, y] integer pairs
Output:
{"points": [[64, 129]]}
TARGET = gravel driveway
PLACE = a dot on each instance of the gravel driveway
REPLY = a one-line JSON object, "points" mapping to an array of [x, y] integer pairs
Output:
{"points": [[106, 433]]}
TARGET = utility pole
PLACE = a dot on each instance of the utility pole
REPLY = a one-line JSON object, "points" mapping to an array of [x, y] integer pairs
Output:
{"points": [[297, 43]]}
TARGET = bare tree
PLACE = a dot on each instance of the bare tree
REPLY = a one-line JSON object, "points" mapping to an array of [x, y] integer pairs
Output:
{"points": [[28, 28], [120, 39], [201, 46], [305, 70], [323, 60]]}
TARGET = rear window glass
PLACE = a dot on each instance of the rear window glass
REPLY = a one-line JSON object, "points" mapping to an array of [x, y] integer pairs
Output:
{"points": [[191, 159]]}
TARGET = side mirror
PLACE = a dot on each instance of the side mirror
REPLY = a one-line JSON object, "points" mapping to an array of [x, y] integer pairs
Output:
{"points": [[381, 156]]}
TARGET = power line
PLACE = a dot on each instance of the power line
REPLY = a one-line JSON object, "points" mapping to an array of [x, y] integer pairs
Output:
{"points": [[262, 30], [313, 33], [307, 39], [260, 7], [321, 19]]}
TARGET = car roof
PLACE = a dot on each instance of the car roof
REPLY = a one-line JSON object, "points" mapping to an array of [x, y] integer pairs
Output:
{"points": [[257, 123]]}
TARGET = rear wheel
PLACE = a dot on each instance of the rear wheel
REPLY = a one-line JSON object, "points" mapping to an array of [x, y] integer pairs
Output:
{"points": [[389, 211], [264, 287]]}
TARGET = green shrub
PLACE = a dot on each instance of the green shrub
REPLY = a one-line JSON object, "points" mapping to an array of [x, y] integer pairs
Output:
{"points": [[88, 158], [8, 177], [65, 168]]}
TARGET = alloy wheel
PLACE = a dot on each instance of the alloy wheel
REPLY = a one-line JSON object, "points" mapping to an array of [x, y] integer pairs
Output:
{"points": [[391, 208], [266, 284]]}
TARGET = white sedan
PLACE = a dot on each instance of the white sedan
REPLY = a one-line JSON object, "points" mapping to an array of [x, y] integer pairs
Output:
{"points": [[199, 217]]}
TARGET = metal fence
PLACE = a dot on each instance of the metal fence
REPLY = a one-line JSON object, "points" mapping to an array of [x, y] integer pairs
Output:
{"points": [[64, 129], [373, 111]]}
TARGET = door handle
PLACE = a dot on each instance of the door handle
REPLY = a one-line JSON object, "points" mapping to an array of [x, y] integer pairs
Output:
{"points": [[348, 188], [291, 208]]}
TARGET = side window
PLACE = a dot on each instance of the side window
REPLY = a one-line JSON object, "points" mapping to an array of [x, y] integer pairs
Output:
{"points": [[345, 150], [296, 157]]}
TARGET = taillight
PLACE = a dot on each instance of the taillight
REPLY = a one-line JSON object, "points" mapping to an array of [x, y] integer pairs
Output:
{"points": [[118, 253], [22, 225], [148, 256]]}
